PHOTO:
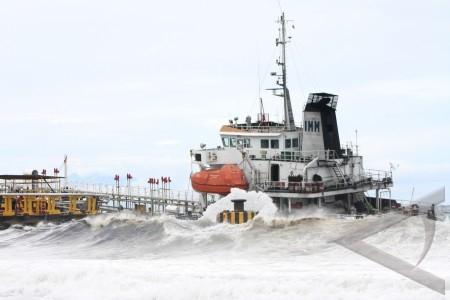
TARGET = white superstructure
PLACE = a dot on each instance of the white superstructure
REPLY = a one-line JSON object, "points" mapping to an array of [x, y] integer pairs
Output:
{"points": [[297, 165]]}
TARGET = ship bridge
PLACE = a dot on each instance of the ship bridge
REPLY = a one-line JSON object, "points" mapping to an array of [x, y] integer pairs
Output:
{"points": [[320, 99]]}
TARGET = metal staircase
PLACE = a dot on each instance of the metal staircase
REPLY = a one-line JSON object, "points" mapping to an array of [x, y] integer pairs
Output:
{"points": [[362, 197], [338, 173]]}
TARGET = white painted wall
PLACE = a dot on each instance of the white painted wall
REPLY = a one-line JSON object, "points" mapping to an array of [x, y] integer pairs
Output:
{"points": [[312, 136]]}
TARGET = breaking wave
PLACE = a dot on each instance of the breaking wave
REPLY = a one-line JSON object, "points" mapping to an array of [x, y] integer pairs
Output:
{"points": [[128, 235], [261, 248]]}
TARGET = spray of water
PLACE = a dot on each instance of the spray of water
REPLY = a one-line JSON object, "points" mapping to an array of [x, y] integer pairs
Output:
{"points": [[130, 256]]}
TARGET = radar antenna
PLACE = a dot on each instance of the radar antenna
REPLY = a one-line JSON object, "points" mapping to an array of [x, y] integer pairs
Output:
{"points": [[283, 91]]}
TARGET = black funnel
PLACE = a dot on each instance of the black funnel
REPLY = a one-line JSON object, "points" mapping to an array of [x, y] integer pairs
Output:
{"points": [[324, 106]]}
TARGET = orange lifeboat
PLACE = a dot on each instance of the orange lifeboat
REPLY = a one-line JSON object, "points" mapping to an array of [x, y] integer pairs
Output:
{"points": [[219, 181]]}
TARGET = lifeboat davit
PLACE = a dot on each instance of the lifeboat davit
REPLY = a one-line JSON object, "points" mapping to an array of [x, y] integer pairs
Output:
{"points": [[220, 180]]}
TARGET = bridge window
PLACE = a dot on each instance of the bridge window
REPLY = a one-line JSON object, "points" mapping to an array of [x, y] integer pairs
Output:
{"points": [[226, 142], [274, 144], [245, 143], [287, 143], [295, 143], [232, 142], [264, 144]]}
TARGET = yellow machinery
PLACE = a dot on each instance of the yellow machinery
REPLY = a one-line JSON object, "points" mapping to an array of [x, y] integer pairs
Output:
{"points": [[32, 205], [35, 206], [139, 208], [73, 209], [29, 205], [33, 197], [7, 207], [51, 208], [91, 205]]}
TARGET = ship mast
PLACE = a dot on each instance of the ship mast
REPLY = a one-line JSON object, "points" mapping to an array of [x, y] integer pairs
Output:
{"points": [[282, 79]]}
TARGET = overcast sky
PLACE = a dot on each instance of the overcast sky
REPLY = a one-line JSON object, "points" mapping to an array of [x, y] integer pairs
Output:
{"points": [[131, 86]]}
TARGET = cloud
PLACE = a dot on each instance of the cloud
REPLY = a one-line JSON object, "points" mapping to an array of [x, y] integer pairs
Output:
{"points": [[118, 92]]}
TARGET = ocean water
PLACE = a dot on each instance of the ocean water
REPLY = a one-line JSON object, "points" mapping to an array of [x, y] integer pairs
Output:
{"points": [[126, 256]]}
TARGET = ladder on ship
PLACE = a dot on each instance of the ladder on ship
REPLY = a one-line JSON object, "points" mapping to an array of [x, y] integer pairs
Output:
{"points": [[339, 174], [362, 197]]}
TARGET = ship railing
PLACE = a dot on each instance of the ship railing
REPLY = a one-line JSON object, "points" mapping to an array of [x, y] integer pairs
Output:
{"points": [[299, 187], [276, 154], [262, 128], [218, 148], [379, 177], [286, 155], [327, 184]]}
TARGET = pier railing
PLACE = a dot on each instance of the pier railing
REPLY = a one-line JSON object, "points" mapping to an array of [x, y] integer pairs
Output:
{"points": [[145, 199], [154, 199]]}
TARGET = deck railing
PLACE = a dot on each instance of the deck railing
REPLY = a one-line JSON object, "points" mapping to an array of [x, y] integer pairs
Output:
{"points": [[262, 128], [330, 184], [285, 155]]}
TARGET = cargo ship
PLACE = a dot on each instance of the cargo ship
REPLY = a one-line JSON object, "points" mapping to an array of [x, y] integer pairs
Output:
{"points": [[297, 165]]}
